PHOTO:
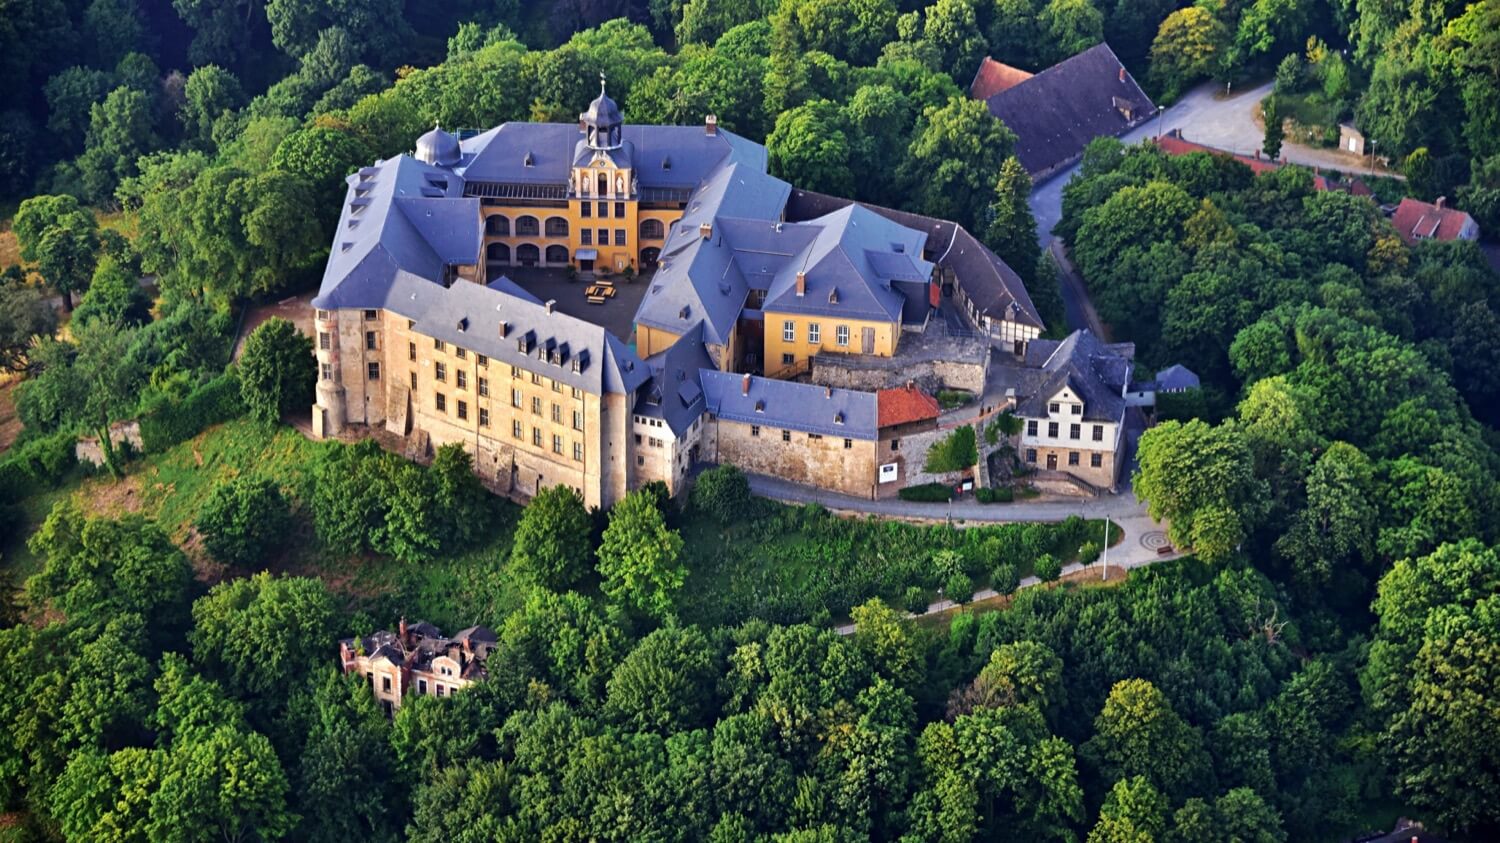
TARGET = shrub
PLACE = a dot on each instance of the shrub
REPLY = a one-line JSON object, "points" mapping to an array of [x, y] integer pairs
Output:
{"points": [[1047, 567], [947, 563], [985, 495], [1004, 494], [243, 519], [915, 599], [955, 452], [39, 464], [723, 492], [1088, 553], [928, 492], [277, 370], [215, 402], [1005, 579], [959, 588]]}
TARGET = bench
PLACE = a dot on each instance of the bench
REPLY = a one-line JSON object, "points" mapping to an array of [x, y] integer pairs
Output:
{"points": [[596, 300]]}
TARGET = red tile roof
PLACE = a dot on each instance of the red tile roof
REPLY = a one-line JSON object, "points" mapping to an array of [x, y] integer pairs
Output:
{"points": [[994, 77], [1417, 220], [904, 404]]}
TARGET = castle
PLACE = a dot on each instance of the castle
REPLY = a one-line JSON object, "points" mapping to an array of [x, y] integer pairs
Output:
{"points": [[467, 298]]}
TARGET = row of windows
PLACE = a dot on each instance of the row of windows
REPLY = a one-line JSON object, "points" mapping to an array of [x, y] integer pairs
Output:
{"points": [[1075, 431], [1095, 460], [526, 226], [586, 237], [1055, 407], [786, 436], [587, 209], [517, 430], [814, 333], [440, 369]]}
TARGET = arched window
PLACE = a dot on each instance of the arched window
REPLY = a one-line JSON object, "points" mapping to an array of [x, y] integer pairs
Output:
{"points": [[497, 253], [497, 224], [652, 229], [649, 257], [557, 255], [528, 254], [527, 227], [557, 227]]}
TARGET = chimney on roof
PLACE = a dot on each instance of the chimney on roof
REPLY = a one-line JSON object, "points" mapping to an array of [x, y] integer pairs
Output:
{"points": [[401, 628], [745, 385], [711, 125], [705, 230], [1442, 202], [504, 327], [551, 303], [801, 283], [1122, 73], [911, 385], [827, 392]]}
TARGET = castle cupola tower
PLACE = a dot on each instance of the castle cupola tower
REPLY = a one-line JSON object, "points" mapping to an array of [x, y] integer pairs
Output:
{"points": [[602, 123]]}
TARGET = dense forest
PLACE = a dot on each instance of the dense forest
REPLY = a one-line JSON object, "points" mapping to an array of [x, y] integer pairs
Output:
{"points": [[669, 671]]}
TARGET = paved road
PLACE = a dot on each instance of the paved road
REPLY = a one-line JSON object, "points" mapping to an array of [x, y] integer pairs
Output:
{"points": [[1206, 117]]}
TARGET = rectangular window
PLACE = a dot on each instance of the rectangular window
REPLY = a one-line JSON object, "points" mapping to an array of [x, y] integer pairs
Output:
{"points": [[461, 379], [484, 417], [1096, 460], [556, 413], [536, 406], [463, 410], [441, 402], [515, 372], [603, 209], [440, 690], [372, 371], [325, 371], [619, 237], [536, 436], [515, 398], [586, 209], [841, 335], [814, 333], [483, 361], [1052, 429], [620, 210], [1072, 458], [461, 353], [848, 443], [411, 324], [786, 436], [788, 331], [578, 452], [536, 378], [603, 235], [369, 340], [440, 371], [515, 429], [577, 393], [484, 387], [323, 314], [371, 314], [421, 686], [411, 351], [557, 386], [556, 444], [812, 436], [385, 684], [1031, 427], [439, 345], [578, 420], [754, 430], [413, 380], [1075, 431], [788, 359], [323, 341], [1098, 433], [1031, 455], [586, 236], [1077, 409], [1053, 407]]}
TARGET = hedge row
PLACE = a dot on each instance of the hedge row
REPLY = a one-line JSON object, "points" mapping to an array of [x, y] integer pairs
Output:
{"points": [[215, 402], [1004, 494], [927, 492], [38, 464]]}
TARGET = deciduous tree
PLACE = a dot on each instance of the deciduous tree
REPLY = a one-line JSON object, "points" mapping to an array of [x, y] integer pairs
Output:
{"points": [[638, 557], [276, 370]]}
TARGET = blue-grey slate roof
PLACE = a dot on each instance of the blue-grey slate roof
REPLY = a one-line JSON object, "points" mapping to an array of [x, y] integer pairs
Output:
{"points": [[791, 405], [675, 392], [849, 267], [1097, 372], [470, 316], [1176, 378], [662, 156]]}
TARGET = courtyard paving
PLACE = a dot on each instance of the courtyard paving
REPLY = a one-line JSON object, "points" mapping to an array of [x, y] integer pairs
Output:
{"points": [[616, 315]]}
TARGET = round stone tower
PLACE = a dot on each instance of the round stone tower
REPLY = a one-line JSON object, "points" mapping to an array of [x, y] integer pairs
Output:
{"points": [[328, 413]]}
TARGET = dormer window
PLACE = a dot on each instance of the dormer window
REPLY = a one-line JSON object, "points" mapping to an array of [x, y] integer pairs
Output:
{"points": [[529, 160], [463, 324], [760, 406], [666, 163], [838, 418]]}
